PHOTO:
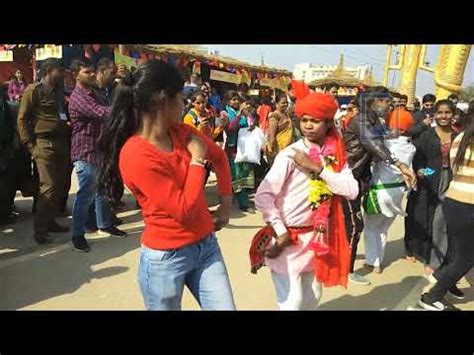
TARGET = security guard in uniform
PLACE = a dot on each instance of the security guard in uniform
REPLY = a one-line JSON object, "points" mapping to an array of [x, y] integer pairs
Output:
{"points": [[43, 129]]}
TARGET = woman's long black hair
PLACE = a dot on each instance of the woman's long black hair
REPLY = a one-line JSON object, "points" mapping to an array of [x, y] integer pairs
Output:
{"points": [[466, 141], [133, 96]]}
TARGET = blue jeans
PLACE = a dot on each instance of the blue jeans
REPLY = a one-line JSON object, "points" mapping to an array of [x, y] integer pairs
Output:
{"points": [[87, 194], [163, 274]]}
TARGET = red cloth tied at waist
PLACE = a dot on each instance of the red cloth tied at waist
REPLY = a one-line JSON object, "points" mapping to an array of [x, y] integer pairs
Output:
{"points": [[261, 242], [331, 269]]}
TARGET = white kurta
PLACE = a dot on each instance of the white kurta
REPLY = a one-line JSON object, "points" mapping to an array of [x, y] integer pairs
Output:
{"points": [[390, 200], [282, 197]]}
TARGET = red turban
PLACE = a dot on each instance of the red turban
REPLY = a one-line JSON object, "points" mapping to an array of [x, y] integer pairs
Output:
{"points": [[299, 89], [400, 118], [317, 105]]}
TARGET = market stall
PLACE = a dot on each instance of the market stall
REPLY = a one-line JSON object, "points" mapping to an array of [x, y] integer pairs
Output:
{"points": [[224, 73]]}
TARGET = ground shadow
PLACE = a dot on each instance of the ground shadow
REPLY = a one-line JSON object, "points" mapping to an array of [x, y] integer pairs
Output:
{"points": [[16, 239], [386, 297], [40, 278], [394, 251]]}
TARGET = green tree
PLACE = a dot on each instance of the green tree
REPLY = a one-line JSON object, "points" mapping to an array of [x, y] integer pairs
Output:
{"points": [[467, 93]]}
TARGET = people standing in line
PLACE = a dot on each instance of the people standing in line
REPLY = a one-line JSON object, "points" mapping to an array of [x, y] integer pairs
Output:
{"points": [[425, 225], [17, 86], [108, 74], [331, 88], [387, 189], [200, 117], [399, 100], [458, 207], [192, 86], [364, 139], [403, 101], [7, 182], [88, 115], [305, 243], [43, 129], [352, 111], [396, 98], [243, 176], [415, 108], [470, 108], [162, 163], [264, 111], [280, 130], [215, 100], [243, 89], [424, 118]]}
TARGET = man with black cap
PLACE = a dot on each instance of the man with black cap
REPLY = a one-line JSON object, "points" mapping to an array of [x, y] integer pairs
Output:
{"points": [[43, 129]]}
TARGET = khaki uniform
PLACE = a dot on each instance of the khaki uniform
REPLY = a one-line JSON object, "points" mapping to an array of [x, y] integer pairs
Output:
{"points": [[43, 129]]}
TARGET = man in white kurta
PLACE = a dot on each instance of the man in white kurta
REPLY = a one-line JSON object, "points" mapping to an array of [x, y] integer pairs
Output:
{"points": [[282, 197], [389, 196]]}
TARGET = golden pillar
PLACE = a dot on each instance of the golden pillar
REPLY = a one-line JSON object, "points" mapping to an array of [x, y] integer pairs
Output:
{"points": [[411, 62], [450, 69]]}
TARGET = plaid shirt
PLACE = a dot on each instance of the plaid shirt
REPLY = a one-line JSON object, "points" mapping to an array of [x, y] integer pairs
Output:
{"points": [[87, 113]]}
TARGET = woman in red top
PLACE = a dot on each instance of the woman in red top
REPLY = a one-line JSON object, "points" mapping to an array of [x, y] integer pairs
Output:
{"points": [[161, 161]]}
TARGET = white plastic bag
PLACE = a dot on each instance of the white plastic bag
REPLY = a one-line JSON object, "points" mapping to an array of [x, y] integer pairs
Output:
{"points": [[249, 145]]}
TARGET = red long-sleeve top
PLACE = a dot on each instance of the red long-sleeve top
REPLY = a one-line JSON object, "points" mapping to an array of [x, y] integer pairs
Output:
{"points": [[170, 190]]}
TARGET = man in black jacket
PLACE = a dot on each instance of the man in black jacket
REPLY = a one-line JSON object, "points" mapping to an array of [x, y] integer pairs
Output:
{"points": [[364, 139], [423, 118]]}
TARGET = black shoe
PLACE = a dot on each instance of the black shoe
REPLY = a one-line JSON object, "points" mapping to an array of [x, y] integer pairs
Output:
{"points": [[43, 238], [426, 303], [116, 221], [10, 219], [57, 228], [80, 244], [456, 293], [64, 213], [112, 232]]}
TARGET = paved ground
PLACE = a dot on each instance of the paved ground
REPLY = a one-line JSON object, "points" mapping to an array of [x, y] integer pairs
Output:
{"points": [[57, 278]]}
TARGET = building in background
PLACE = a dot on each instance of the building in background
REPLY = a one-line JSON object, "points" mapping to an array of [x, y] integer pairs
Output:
{"points": [[310, 72]]}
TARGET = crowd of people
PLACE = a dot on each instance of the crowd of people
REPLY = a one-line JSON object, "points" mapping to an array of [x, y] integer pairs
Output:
{"points": [[324, 174]]}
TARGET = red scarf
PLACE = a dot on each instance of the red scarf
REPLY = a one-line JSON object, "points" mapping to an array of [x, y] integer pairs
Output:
{"points": [[332, 268]]}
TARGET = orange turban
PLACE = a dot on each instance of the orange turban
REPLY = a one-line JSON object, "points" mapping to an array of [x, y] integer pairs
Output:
{"points": [[299, 88], [400, 118], [317, 105]]}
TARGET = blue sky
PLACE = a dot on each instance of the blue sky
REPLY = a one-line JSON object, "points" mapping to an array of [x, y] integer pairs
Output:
{"points": [[286, 56]]}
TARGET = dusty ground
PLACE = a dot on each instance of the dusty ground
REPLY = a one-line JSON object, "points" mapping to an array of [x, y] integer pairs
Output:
{"points": [[57, 278]]}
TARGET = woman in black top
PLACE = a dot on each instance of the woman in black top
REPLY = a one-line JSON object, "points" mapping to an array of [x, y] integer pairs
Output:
{"points": [[425, 226]]}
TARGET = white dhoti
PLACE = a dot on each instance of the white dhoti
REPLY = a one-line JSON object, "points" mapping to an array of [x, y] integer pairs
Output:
{"points": [[296, 286], [297, 292], [389, 198], [375, 237]]}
